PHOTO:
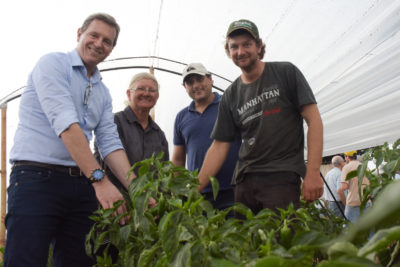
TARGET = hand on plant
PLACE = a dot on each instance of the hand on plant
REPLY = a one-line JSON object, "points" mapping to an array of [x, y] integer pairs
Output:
{"points": [[152, 202], [313, 187], [107, 194]]}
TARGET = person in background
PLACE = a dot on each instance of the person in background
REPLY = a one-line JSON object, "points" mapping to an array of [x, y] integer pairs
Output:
{"points": [[56, 182], [141, 137], [352, 201], [266, 105], [192, 129], [333, 181]]}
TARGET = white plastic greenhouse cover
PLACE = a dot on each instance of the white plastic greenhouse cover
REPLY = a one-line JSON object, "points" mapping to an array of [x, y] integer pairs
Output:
{"points": [[349, 51]]}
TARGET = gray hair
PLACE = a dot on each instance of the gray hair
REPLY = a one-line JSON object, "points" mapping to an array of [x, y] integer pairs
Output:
{"points": [[141, 76], [110, 20], [337, 161]]}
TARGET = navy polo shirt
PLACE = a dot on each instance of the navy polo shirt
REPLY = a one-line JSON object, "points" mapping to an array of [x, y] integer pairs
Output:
{"points": [[192, 130]]}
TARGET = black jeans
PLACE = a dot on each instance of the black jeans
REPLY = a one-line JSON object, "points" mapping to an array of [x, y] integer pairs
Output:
{"points": [[268, 190], [225, 199], [46, 207]]}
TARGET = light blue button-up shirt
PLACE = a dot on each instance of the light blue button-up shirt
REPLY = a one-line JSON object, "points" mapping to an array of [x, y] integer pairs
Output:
{"points": [[332, 178], [53, 100]]}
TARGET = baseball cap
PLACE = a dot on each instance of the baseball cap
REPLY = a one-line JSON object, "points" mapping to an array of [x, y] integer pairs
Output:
{"points": [[351, 153], [243, 24], [194, 68]]}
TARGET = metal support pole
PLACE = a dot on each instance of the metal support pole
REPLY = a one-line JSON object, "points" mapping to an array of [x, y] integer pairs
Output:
{"points": [[3, 174]]}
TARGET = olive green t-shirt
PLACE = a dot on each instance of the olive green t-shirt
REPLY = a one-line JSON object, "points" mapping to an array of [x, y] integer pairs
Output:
{"points": [[267, 114]]}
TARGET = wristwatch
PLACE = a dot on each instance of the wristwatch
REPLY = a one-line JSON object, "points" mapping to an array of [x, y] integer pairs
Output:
{"points": [[96, 176]]}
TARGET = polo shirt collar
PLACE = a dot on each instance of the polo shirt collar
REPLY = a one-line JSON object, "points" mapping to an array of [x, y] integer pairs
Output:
{"points": [[216, 100]]}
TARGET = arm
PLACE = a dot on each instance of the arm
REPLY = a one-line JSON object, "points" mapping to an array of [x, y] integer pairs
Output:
{"points": [[179, 156], [313, 184], [78, 147], [118, 162], [213, 161], [340, 192]]}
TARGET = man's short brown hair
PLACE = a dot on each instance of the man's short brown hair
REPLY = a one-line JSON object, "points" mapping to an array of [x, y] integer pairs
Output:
{"points": [[258, 41], [110, 20]]}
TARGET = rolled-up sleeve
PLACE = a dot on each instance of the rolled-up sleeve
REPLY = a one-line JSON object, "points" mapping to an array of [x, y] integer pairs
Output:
{"points": [[53, 91]]}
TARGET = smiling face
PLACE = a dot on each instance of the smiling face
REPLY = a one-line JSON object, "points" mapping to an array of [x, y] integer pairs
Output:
{"points": [[244, 51], [143, 95], [198, 87], [95, 44]]}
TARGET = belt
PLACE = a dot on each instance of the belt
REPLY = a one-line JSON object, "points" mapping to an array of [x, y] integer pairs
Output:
{"points": [[70, 170]]}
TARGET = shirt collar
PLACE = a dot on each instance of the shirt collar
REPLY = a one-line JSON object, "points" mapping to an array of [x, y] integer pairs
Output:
{"points": [[216, 99], [133, 119], [76, 61]]}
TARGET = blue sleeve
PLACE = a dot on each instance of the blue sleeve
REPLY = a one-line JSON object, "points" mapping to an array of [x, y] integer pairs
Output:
{"points": [[178, 137], [50, 79]]}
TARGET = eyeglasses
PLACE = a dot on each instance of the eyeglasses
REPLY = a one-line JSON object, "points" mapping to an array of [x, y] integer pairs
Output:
{"points": [[88, 91], [143, 90]]}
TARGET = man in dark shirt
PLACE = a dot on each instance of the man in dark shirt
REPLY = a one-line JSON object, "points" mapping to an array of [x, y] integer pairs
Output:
{"points": [[139, 133], [266, 105]]}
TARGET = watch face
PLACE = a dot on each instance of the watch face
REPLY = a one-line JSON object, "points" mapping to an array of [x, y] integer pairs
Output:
{"points": [[98, 174]]}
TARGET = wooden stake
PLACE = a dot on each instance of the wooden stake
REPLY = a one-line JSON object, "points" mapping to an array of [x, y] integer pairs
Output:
{"points": [[3, 174]]}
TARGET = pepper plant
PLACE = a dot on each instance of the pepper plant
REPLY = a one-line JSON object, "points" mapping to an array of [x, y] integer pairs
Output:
{"points": [[183, 229]]}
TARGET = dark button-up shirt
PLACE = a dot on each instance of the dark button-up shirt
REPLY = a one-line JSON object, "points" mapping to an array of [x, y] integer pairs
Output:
{"points": [[138, 143]]}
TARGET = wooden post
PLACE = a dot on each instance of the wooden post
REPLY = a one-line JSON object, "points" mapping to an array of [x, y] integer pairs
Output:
{"points": [[3, 174], [152, 110]]}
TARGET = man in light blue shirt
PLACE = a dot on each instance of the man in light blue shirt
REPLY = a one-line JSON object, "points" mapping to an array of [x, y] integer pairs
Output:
{"points": [[56, 183], [333, 180]]}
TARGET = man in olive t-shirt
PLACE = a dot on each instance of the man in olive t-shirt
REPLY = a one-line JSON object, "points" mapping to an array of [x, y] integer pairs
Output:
{"points": [[266, 105]]}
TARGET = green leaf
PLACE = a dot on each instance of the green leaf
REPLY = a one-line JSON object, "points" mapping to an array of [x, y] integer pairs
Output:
{"points": [[392, 166], [140, 203], [183, 257], [382, 239], [273, 261], [285, 235], [351, 175], [242, 209], [124, 232], [147, 256], [175, 202], [396, 144], [378, 155], [215, 186], [99, 241], [222, 263], [169, 232], [179, 185], [384, 210], [361, 170], [338, 249], [144, 169], [194, 205], [348, 262], [161, 205]]}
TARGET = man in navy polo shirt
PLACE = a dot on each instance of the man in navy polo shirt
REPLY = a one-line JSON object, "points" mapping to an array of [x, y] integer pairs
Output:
{"points": [[193, 126]]}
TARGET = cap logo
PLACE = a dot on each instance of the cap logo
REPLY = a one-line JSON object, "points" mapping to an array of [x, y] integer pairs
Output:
{"points": [[242, 23], [190, 68]]}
